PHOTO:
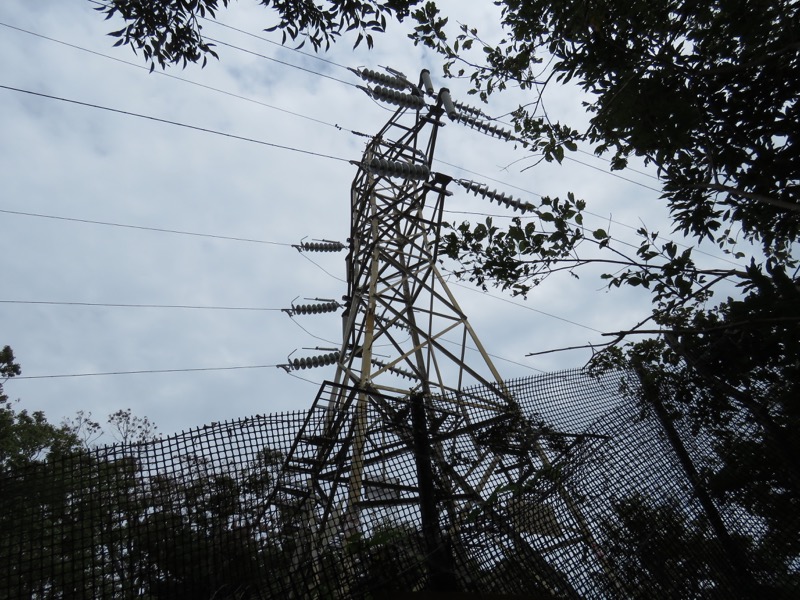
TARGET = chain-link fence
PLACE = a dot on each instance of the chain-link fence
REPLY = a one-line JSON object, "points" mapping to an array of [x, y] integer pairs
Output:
{"points": [[599, 489]]}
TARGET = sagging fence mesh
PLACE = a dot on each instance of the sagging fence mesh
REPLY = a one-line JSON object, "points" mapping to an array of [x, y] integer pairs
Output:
{"points": [[602, 493]]}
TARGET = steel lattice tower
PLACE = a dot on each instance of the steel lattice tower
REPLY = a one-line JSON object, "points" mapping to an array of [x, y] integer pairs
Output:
{"points": [[417, 424]]}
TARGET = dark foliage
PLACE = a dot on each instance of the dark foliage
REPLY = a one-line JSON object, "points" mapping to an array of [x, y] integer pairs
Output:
{"points": [[170, 32]]}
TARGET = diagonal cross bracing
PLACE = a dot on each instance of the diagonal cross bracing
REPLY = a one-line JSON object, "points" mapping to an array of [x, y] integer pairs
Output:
{"points": [[349, 467]]}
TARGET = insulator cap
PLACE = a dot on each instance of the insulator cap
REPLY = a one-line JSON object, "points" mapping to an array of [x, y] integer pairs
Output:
{"points": [[494, 195], [381, 78], [397, 97], [315, 361], [397, 371], [466, 108], [322, 246], [405, 170], [315, 309], [425, 79], [447, 102], [483, 126]]}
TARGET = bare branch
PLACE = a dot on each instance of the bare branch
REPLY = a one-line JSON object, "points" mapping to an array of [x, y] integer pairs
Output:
{"points": [[680, 331], [749, 195]]}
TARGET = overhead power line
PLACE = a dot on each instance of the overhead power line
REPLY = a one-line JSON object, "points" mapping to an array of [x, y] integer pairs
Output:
{"points": [[508, 360], [171, 76], [314, 56], [270, 58], [627, 168], [594, 214], [263, 39], [311, 71], [526, 307], [322, 268], [300, 115], [230, 308], [612, 174], [161, 230], [146, 371], [307, 117], [274, 43], [175, 123], [142, 227], [120, 305]]}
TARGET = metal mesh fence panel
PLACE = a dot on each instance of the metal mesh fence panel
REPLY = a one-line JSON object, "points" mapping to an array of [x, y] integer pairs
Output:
{"points": [[585, 492]]}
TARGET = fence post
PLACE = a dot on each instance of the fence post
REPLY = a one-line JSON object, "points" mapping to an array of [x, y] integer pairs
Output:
{"points": [[438, 559], [736, 564]]}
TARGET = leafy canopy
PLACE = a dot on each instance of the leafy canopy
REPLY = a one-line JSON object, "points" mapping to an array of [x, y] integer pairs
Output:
{"points": [[170, 31], [706, 92]]}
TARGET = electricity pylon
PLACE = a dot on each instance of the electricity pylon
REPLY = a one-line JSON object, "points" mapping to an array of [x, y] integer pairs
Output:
{"points": [[418, 425]]}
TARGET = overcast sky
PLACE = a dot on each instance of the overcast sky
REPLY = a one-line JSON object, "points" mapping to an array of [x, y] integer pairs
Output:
{"points": [[86, 164]]}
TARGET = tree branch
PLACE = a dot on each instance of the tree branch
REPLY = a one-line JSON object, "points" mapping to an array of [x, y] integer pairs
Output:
{"points": [[749, 195], [733, 68], [733, 325], [582, 347]]}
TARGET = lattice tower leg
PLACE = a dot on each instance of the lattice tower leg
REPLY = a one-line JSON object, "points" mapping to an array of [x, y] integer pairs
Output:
{"points": [[399, 317]]}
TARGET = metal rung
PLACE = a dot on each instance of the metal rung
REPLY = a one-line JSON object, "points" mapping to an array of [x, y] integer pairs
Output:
{"points": [[510, 468], [393, 502], [317, 440], [277, 502], [404, 501], [305, 461], [300, 469], [293, 491], [389, 485], [331, 475]]}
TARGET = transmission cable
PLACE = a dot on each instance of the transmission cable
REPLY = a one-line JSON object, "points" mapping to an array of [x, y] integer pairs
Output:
{"points": [[145, 371], [609, 219], [508, 360], [171, 76], [274, 43], [173, 231], [295, 113], [176, 123], [232, 308], [316, 383], [241, 240], [525, 306], [301, 116], [123, 305], [612, 174], [645, 174], [281, 62], [311, 71], [515, 216], [253, 35], [322, 268], [142, 227], [321, 339]]}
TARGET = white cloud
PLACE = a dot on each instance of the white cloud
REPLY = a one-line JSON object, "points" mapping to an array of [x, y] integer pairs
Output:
{"points": [[74, 161]]}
